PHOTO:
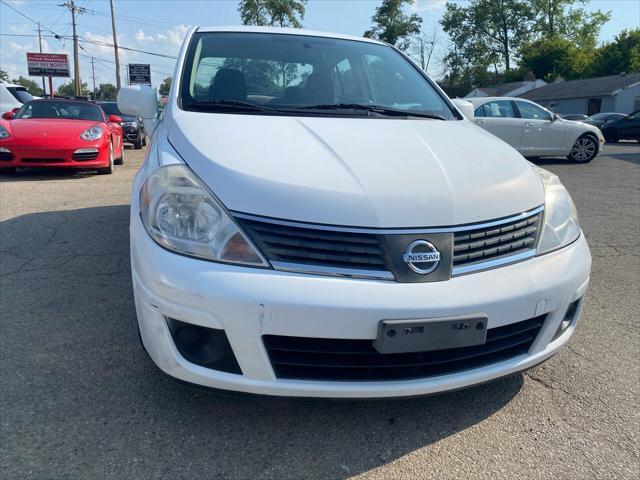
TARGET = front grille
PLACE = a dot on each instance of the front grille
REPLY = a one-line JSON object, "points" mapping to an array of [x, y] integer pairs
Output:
{"points": [[361, 252], [84, 156], [356, 360], [43, 160], [6, 156], [492, 243], [280, 243]]}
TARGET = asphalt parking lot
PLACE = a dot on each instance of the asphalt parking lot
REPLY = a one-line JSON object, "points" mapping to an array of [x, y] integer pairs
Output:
{"points": [[79, 398]]}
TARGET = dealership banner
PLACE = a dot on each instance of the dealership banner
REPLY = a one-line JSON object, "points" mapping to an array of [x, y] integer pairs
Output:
{"points": [[139, 74], [48, 64]]}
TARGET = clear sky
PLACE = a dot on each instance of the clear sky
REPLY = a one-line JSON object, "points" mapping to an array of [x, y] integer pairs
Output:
{"points": [[159, 26]]}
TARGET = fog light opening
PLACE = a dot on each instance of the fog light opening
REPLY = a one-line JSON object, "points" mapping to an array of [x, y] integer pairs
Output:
{"points": [[207, 347], [569, 319]]}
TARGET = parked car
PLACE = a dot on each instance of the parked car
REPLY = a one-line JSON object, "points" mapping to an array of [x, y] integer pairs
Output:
{"points": [[346, 234], [576, 117], [599, 119], [60, 134], [13, 96], [132, 127], [535, 131], [625, 128]]}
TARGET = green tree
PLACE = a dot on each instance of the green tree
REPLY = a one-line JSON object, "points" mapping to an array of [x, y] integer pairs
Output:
{"points": [[165, 86], [550, 58], [30, 85], [494, 29], [107, 91], [69, 89], [621, 55], [561, 18], [281, 13], [392, 25], [4, 76]]}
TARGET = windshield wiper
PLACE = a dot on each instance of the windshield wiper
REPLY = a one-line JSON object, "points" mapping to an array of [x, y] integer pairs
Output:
{"points": [[237, 105], [378, 109]]}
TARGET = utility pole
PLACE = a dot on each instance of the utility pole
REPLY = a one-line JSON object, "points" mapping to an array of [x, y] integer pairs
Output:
{"points": [[44, 90], [93, 75], [76, 60], [115, 45]]}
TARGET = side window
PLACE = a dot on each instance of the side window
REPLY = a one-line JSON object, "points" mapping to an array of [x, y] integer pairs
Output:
{"points": [[499, 109], [479, 111], [635, 115], [532, 112]]}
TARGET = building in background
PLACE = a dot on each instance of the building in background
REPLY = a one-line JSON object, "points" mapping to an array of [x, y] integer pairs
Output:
{"points": [[511, 89], [615, 93]]}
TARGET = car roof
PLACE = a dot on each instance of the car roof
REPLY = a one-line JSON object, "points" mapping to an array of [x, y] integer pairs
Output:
{"points": [[13, 85], [286, 31], [479, 100]]}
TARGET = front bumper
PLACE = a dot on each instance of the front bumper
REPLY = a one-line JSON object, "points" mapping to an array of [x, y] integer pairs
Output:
{"points": [[28, 157], [248, 303]]}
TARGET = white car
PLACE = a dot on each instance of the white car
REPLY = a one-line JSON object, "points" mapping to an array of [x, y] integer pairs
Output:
{"points": [[315, 218], [13, 96], [535, 131]]}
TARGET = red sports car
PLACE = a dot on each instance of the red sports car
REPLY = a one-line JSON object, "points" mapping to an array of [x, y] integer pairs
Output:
{"points": [[60, 134]]}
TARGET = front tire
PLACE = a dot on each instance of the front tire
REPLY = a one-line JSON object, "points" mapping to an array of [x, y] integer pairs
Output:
{"points": [[109, 169], [7, 170], [120, 161], [584, 149]]}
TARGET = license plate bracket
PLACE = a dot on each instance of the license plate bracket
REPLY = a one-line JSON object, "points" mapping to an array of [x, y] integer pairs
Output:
{"points": [[423, 335]]}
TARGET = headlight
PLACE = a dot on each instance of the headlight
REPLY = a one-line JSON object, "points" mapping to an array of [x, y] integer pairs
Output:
{"points": [[4, 133], [93, 133], [180, 214], [561, 226]]}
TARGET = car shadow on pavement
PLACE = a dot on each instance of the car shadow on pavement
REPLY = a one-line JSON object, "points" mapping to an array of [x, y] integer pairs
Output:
{"points": [[82, 397]]}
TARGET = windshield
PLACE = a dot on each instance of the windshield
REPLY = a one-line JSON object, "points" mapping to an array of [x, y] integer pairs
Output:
{"points": [[20, 93], [62, 109], [605, 116], [290, 74]]}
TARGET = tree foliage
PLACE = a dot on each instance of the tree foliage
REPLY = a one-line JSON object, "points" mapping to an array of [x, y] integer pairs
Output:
{"points": [[165, 86], [561, 18], [32, 86], [107, 91], [4, 76], [281, 13], [69, 89], [489, 31], [550, 58], [392, 25], [621, 55], [552, 38]]}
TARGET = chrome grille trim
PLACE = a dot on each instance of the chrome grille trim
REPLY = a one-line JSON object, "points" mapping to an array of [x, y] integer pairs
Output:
{"points": [[332, 271], [388, 231]]}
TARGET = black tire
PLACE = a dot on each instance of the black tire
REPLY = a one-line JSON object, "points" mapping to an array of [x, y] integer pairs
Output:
{"points": [[108, 170], [7, 170], [584, 149], [144, 140], [138, 143], [611, 138], [120, 161]]}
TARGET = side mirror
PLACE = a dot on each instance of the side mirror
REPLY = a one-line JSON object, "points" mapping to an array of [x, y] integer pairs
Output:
{"points": [[554, 117], [464, 107], [15, 110], [114, 119], [139, 101], [8, 115]]}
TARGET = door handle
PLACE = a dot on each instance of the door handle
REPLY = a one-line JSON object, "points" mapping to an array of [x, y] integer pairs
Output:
{"points": [[529, 124], [481, 121]]}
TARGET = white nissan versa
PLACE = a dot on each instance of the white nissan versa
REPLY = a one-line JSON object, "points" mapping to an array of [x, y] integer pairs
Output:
{"points": [[316, 218]]}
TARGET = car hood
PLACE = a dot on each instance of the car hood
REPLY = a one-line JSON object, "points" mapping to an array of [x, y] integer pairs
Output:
{"points": [[42, 128], [371, 172]]}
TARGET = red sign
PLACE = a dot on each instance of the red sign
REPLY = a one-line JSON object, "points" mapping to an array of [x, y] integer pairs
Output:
{"points": [[48, 64]]}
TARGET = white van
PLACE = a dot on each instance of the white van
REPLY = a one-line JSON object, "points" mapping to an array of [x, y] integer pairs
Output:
{"points": [[316, 218], [12, 96]]}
